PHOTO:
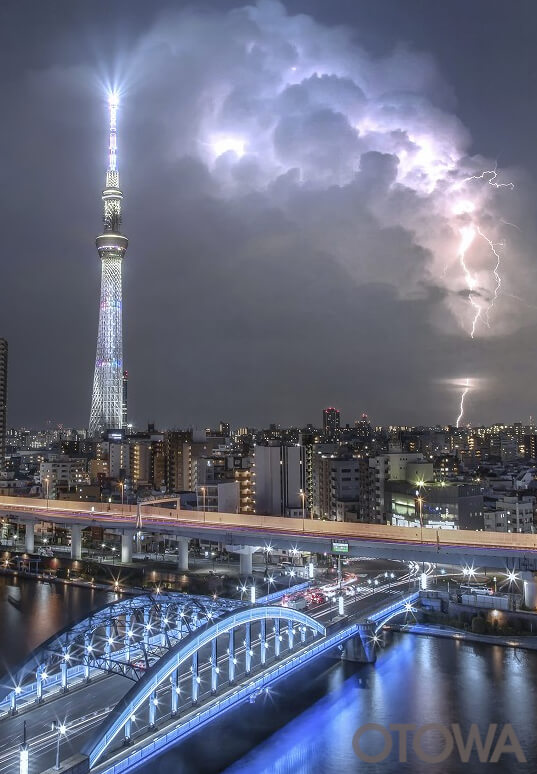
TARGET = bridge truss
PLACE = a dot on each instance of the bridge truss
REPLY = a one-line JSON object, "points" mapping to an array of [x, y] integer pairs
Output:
{"points": [[125, 637]]}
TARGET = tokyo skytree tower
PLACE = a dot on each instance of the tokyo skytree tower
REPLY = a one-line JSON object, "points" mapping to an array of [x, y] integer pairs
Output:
{"points": [[107, 399]]}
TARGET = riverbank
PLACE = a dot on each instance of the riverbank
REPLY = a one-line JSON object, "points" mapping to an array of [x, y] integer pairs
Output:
{"points": [[525, 642], [46, 578]]}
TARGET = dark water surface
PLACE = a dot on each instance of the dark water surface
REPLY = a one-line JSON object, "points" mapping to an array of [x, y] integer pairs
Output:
{"points": [[307, 723]]}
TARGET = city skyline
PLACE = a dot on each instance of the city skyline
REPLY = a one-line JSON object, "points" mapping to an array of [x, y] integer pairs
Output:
{"points": [[231, 255]]}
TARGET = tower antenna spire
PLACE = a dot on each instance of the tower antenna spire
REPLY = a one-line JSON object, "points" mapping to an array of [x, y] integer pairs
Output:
{"points": [[107, 397]]}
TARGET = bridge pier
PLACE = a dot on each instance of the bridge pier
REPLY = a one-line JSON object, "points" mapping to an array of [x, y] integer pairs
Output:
{"points": [[245, 558], [277, 638], [361, 648], [126, 546], [182, 554], [29, 542], [76, 541], [128, 726], [530, 590]]}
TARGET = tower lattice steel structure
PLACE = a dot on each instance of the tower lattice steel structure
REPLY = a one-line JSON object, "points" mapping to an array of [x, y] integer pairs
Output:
{"points": [[107, 399]]}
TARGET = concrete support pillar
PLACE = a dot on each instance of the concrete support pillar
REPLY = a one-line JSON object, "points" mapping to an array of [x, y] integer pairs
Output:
{"points": [[232, 660], [214, 665], [29, 537], [248, 648], [182, 554], [128, 731], [263, 643], [368, 646], [277, 638], [174, 679], [76, 541], [530, 590], [291, 634], [245, 560], [303, 630], [361, 648], [153, 703], [195, 678], [126, 546], [13, 702]]}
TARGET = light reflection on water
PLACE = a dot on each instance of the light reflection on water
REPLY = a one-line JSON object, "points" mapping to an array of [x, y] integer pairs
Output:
{"points": [[308, 723]]}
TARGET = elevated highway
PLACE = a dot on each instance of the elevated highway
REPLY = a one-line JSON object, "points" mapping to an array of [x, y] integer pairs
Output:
{"points": [[457, 547]]}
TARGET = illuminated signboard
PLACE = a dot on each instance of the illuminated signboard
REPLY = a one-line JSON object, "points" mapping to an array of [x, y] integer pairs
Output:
{"points": [[339, 548]]}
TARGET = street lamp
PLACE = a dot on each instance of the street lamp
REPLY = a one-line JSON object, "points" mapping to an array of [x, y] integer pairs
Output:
{"points": [[122, 485], [303, 498], [23, 752], [419, 500], [269, 579], [47, 480], [61, 728]]}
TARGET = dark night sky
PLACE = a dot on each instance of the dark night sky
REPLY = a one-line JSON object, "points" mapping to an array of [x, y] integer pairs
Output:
{"points": [[307, 272]]}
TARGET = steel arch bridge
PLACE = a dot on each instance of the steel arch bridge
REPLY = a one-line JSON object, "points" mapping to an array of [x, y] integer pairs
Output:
{"points": [[189, 658], [124, 637], [167, 671]]}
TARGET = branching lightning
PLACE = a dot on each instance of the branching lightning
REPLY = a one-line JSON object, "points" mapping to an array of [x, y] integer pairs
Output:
{"points": [[468, 233], [490, 176], [461, 406]]}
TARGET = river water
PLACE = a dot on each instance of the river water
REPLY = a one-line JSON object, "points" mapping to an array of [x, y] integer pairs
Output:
{"points": [[308, 721]]}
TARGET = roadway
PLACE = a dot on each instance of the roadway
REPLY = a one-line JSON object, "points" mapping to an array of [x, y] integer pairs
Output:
{"points": [[455, 547], [84, 707]]}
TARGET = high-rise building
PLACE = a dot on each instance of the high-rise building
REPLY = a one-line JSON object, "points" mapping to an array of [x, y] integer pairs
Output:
{"points": [[125, 396], [331, 422], [3, 401], [278, 478], [107, 399]]}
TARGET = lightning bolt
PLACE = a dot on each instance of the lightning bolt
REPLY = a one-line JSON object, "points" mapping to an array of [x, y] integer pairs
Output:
{"points": [[490, 176], [467, 234], [461, 407], [496, 270]]}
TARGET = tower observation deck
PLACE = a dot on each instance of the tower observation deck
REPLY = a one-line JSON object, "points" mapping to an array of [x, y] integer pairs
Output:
{"points": [[107, 397]]}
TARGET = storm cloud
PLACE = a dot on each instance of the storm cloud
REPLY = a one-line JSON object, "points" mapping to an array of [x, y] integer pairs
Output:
{"points": [[308, 224]]}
